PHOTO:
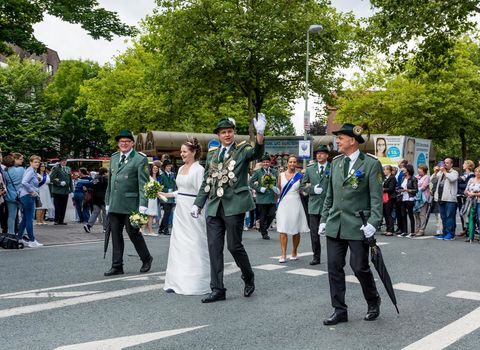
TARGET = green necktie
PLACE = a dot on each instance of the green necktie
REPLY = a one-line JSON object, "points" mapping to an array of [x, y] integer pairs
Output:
{"points": [[321, 170], [222, 155], [346, 166], [122, 160]]}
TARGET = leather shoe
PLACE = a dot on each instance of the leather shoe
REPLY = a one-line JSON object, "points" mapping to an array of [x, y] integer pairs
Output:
{"points": [[213, 297], [336, 317], [147, 264], [114, 271], [373, 311], [249, 289], [267, 237], [315, 262]]}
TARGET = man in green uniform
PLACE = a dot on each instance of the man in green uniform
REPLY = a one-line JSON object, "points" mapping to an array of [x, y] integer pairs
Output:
{"points": [[355, 185], [167, 179], [225, 185], [127, 176], [265, 194], [315, 184], [62, 186]]}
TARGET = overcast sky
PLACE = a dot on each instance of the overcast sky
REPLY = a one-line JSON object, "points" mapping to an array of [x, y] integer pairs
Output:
{"points": [[72, 42]]}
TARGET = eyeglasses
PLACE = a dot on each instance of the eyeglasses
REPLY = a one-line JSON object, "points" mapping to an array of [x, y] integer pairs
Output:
{"points": [[125, 141]]}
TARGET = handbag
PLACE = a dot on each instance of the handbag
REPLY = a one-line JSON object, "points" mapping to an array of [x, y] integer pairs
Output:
{"points": [[386, 197], [10, 241], [38, 202]]}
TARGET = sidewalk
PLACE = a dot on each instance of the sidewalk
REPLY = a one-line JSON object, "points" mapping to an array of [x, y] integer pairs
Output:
{"points": [[66, 234]]}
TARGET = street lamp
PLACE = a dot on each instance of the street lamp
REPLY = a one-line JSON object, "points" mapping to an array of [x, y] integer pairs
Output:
{"points": [[314, 28]]}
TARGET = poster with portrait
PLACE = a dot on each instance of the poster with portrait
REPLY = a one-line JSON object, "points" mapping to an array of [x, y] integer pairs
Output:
{"points": [[389, 149], [422, 152]]}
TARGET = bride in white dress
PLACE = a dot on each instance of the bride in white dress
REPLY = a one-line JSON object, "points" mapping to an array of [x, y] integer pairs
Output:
{"points": [[188, 268], [291, 218]]}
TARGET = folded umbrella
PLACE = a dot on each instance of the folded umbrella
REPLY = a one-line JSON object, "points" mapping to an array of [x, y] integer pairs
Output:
{"points": [[107, 239], [377, 260]]}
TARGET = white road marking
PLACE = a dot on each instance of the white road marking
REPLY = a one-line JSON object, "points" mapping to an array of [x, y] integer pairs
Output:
{"points": [[409, 287], [105, 280], [351, 279], [449, 334], [307, 272], [299, 254], [22, 310], [269, 267], [462, 294], [423, 237], [65, 244], [52, 295], [125, 342], [382, 243], [230, 268]]}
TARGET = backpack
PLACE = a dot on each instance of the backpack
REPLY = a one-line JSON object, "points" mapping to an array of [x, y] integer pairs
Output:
{"points": [[10, 241]]}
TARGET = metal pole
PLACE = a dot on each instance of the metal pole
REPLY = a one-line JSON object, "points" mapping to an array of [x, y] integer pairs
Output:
{"points": [[306, 113]]}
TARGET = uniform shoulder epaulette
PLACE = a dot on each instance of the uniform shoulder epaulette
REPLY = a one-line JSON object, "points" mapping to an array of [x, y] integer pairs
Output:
{"points": [[310, 164], [241, 143], [211, 149], [143, 154], [338, 156], [115, 153], [373, 156]]}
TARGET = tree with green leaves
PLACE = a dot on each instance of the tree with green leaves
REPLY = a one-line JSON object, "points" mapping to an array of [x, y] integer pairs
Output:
{"points": [[254, 50], [24, 125], [442, 104], [17, 18], [78, 135]]}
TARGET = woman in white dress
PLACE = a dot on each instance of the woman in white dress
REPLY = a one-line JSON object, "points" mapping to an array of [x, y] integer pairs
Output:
{"points": [[188, 268], [291, 219], [152, 210], [45, 197]]}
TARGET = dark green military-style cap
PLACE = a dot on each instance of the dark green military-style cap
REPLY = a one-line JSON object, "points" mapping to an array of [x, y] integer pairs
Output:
{"points": [[225, 123], [266, 156], [124, 134], [167, 162], [351, 130], [321, 148]]}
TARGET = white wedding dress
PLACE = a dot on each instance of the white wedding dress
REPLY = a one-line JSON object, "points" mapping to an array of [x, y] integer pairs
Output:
{"points": [[188, 268], [291, 218]]}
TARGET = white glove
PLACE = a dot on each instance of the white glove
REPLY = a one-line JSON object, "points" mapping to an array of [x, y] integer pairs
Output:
{"points": [[195, 211], [368, 230], [262, 189], [317, 189], [260, 123], [276, 190], [107, 207], [62, 183], [142, 209], [321, 229]]}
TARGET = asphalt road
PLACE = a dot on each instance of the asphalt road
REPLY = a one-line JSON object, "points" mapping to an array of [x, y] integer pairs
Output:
{"points": [[56, 296]]}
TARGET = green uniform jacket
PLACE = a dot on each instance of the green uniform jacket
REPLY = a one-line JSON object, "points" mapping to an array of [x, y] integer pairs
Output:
{"points": [[169, 184], [309, 181], [236, 198], [57, 176], [125, 193], [256, 183], [343, 201]]}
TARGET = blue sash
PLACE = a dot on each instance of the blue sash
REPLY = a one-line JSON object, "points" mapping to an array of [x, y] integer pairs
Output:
{"points": [[44, 179], [288, 186]]}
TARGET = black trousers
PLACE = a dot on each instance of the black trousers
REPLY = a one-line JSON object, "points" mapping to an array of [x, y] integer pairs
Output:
{"points": [[216, 228], [60, 202], [117, 223], [315, 238], [407, 209], [398, 213], [387, 214], [336, 252], [4, 217], [304, 200], [266, 214], [167, 211]]}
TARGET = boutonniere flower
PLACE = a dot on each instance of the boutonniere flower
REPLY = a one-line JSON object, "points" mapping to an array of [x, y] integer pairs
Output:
{"points": [[327, 173], [354, 178]]}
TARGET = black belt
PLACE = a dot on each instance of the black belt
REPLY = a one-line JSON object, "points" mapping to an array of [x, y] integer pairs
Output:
{"points": [[186, 194]]}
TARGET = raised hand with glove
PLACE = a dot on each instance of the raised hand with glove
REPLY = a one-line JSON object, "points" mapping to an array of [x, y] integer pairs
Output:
{"points": [[260, 123]]}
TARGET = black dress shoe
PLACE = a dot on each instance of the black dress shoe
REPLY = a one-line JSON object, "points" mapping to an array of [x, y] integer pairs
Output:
{"points": [[114, 271], [249, 289], [166, 233], [373, 311], [336, 317], [213, 297], [267, 237], [315, 262], [147, 264]]}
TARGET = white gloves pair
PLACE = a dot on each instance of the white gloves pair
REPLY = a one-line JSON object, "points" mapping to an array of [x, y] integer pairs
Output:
{"points": [[368, 230], [195, 211], [260, 123], [142, 210], [62, 183], [274, 189], [317, 189]]}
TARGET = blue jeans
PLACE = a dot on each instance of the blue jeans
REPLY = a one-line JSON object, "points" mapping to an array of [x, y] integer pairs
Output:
{"points": [[28, 203], [12, 215], [83, 212], [448, 211]]}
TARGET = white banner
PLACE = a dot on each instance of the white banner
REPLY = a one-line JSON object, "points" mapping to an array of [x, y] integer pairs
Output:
{"points": [[304, 150]]}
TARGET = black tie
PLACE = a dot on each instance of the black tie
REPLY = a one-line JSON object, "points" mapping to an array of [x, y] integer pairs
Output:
{"points": [[222, 155], [122, 160], [346, 165], [321, 170]]}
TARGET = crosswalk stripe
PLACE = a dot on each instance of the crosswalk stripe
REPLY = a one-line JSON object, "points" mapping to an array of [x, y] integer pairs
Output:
{"points": [[463, 294], [51, 295], [269, 267], [409, 287], [307, 272]]}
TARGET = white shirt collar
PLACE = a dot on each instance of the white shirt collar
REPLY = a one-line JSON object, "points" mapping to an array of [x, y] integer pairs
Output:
{"points": [[126, 154], [227, 149], [353, 158], [320, 165]]}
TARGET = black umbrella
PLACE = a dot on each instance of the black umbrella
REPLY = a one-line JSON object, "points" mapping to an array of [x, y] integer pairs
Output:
{"points": [[377, 261], [108, 230]]}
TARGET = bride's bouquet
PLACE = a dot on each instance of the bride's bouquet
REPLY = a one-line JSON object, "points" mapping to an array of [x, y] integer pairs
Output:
{"points": [[152, 189], [268, 181], [137, 219]]}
